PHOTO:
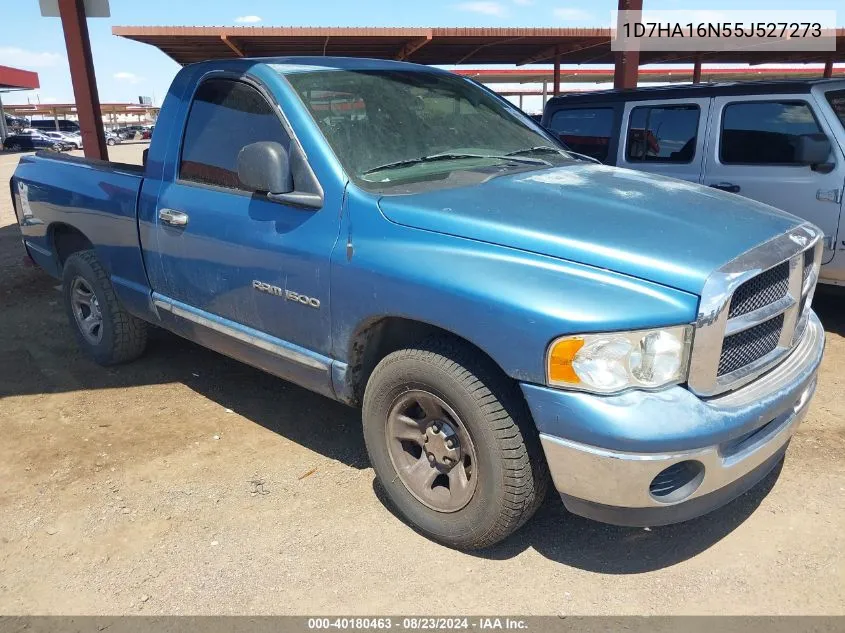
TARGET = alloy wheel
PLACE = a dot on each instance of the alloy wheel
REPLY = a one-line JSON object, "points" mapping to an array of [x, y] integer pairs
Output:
{"points": [[86, 310]]}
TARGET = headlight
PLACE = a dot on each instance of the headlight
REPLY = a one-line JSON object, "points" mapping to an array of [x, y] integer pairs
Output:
{"points": [[607, 363]]}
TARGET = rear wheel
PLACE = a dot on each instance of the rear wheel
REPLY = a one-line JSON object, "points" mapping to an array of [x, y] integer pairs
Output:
{"points": [[15, 147], [104, 330], [452, 444]]}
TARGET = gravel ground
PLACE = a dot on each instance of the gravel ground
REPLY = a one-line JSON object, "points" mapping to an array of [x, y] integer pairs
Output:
{"points": [[188, 483]]}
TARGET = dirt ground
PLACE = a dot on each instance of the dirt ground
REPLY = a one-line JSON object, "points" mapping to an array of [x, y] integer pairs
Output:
{"points": [[187, 483]]}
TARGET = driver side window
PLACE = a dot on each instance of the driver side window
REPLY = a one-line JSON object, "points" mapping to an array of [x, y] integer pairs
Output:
{"points": [[225, 116]]}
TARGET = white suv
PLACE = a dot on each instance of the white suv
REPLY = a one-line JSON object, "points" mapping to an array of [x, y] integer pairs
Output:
{"points": [[779, 142]]}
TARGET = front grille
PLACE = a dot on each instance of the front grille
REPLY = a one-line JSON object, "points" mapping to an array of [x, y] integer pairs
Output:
{"points": [[760, 291], [743, 348], [753, 311]]}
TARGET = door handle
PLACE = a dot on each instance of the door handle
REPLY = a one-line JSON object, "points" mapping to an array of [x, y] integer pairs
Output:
{"points": [[173, 218], [726, 186]]}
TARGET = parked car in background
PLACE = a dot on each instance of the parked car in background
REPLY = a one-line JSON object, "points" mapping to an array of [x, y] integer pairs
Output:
{"points": [[73, 141], [131, 132], [500, 311], [777, 142], [113, 138], [33, 141], [50, 125]]}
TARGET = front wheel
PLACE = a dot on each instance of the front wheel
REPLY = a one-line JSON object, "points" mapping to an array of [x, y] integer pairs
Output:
{"points": [[452, 444], [110, 141]]}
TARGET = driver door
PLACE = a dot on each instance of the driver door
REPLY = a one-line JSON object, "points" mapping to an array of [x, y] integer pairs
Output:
{"points": [[228, 255]]}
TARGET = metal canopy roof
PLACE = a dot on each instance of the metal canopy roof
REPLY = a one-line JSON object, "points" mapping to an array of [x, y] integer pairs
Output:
{"points": [[599, 75], [442, 46], [16, 79], [31, 109], [664, 74]]}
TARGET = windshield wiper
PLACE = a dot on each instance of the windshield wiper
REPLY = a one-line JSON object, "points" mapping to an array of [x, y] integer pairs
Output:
{"points": [[452, 156], [563, 152], [539, 148]]}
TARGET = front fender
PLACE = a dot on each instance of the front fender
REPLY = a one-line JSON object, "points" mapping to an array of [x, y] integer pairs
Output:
{"points": [[508, 302]]}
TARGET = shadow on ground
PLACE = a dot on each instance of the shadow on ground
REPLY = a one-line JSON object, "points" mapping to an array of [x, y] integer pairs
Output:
{"points": [[38, 355], [608, 549], [829, 304]]}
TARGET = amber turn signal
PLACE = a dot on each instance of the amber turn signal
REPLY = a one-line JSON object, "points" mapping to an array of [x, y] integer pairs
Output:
{"points": [[560, 361]]}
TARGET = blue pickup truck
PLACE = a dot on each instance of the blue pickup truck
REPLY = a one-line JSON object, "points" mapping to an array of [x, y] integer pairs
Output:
{"points": [[401, 239]]}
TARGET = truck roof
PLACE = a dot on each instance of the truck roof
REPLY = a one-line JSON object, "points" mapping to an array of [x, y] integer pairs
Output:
{"points": [[720, 89], [286, 65]]}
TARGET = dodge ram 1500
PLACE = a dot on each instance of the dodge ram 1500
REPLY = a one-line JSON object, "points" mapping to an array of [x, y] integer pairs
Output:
{"points": [[402, 239]]}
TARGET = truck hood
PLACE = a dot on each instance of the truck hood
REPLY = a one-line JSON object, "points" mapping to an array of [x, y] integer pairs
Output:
{"points": [[660, 229]]}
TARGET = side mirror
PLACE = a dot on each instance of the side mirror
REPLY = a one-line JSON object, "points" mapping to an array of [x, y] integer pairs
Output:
{"points": [[265, 166], [812, 150]]}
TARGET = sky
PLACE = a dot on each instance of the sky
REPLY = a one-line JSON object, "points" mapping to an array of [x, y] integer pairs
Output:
{"points": [[126, 70]]}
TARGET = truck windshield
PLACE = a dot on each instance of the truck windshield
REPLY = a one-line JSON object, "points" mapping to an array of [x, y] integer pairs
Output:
{"points": [[836, 99], [392, 127]]}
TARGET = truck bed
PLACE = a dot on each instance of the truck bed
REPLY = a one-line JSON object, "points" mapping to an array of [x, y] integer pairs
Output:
{"points": [[60, 198]]}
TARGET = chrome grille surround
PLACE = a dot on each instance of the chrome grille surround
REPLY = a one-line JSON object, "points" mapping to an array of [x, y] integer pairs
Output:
{"points": [[713, 324]]}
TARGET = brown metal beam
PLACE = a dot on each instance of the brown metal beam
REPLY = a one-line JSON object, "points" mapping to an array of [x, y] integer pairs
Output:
{"points": [[557, 72], [627, 62], [696, 72], [235, 48], [75, 27], [626, 70], [412, 46], [828, 69]]}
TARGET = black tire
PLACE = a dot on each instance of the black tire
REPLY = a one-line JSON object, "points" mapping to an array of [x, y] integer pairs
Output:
{"points": [[110, 141], [15, 147], [122, 337], [511, 472]]}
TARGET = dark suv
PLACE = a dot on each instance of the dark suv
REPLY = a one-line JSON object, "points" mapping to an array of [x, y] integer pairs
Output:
{"points": [[24, 142]]}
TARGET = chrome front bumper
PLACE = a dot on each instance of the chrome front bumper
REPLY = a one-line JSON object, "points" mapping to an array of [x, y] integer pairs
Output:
{"points": [[614, 485]]}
